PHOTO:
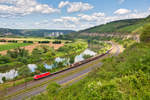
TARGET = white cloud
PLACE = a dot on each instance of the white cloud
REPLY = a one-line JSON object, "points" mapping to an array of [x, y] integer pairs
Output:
{"points": [[58, 20], [94, 16], [24, 7], [122, 11], [44, 22], [72, 19], [83, 21], [80, 17], [121, 1], [67, 19], [75, 6], [63, 3], [79, 6]]}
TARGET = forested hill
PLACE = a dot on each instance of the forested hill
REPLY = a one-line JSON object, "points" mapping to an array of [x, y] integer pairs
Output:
{"points": [[121, 26], [30, 32]]}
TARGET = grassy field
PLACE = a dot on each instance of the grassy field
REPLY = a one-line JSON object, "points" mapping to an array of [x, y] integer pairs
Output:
{"points": [[12, 46]]}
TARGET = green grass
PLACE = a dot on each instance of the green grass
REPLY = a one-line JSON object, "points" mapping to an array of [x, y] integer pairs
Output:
{"points": [[12, 46]]}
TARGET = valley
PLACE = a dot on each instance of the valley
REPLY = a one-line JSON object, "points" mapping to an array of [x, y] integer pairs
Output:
{"points": [[74, 50]]}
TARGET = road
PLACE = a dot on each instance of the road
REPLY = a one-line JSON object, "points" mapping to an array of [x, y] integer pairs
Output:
{"points": [[66, 80]]}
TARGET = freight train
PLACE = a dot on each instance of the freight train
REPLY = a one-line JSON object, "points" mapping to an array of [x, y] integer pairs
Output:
{"points": [[36, 77]]}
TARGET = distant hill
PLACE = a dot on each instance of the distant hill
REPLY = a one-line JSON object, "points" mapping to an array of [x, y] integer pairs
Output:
{"points": [[31, 32], [121, 26]]}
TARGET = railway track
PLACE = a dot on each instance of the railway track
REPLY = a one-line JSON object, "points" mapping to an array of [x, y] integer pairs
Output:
{"points": [[54, 75]]}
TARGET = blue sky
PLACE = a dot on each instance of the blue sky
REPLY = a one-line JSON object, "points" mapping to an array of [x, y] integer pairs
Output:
{"points": [[68, 14]]}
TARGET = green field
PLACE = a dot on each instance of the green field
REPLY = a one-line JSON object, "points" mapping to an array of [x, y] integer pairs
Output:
{"points": [[12, 46]]}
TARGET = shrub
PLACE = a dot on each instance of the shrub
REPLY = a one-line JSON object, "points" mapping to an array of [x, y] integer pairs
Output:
{"points": [[145, 35]]}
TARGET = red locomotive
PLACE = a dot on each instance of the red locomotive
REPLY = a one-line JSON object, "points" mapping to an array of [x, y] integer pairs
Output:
{"points": [[36, 77]]}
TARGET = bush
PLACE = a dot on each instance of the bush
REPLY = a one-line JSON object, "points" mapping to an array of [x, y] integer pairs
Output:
{"points": [[3, 40], [87, 56], [4, 79], [12, 41], [56, 42], [53, 89], [41, 68], [27, 41], [44, 42]]}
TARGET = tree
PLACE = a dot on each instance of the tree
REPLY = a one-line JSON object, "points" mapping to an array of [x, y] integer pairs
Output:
{"points": [[41, 68], [18, 53], [24, 71], [36, 55], [50, 55], [60, 64], [36, 52], [22, 52], [4, 79], [87, 56], [12, 54], [5, 86], [72, 58], [4, 59]]}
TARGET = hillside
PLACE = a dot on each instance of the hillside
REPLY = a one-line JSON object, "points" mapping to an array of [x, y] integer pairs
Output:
{"points": [[121, 26], [30, 32], [124, 77]]}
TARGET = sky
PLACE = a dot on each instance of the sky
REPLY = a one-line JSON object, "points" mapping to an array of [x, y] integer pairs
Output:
{"points": [[68, 14]]}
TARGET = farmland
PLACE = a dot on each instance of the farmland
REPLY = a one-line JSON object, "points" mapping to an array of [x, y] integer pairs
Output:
{"points": [[27, 43], [27, 46], [29, 39], [12, 46]]}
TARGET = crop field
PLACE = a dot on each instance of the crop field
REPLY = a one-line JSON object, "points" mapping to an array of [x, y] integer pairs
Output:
{"points": [[4, 47], [29, 39], [12, 46]]}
